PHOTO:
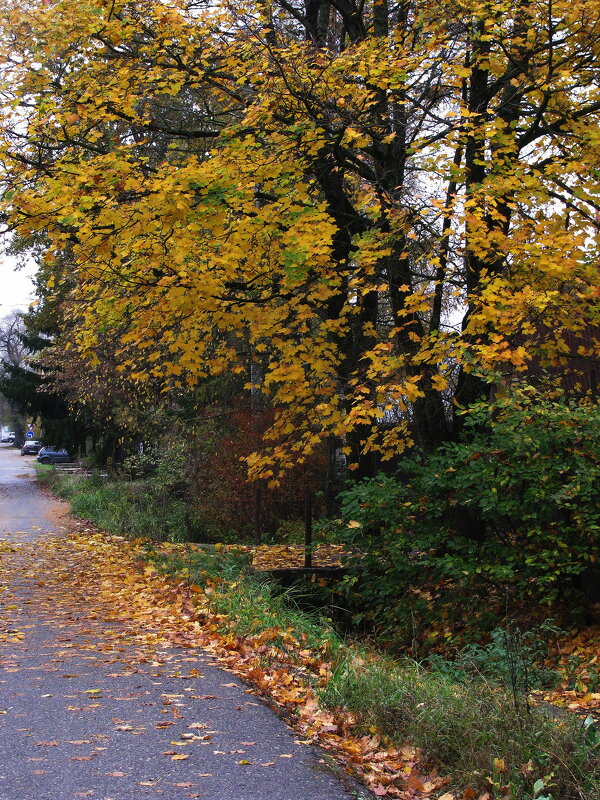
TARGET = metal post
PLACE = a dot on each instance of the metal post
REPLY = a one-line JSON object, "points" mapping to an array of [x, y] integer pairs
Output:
{"points": [[257, 514], [307, 531]]}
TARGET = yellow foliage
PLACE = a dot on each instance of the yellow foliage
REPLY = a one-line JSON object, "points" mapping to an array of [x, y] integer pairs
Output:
{"points": [[223, 191]]}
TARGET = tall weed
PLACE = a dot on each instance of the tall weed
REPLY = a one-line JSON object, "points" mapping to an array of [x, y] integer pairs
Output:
{"points": [[471, 730]]}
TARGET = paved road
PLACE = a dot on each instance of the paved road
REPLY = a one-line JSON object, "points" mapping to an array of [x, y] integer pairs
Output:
{"points": [[84, 714], [25, 514]]}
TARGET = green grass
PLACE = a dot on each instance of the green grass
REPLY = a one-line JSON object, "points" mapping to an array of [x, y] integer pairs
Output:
{"points": [[472, 730], [130, 508], [251, 606]]}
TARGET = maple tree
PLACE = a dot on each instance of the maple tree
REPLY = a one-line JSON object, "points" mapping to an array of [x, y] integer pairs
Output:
{"points": [[380, 207]]}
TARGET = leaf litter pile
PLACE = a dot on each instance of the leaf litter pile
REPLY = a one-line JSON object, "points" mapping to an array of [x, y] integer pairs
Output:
{"points": [[578, 658], [105, 579], [265, 557]]}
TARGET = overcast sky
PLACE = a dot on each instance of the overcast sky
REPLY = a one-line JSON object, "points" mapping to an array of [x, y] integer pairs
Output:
{"points": [[16, 287]]}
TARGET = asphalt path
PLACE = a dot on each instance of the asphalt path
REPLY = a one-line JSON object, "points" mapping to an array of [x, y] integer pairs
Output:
{"points": [[84, 714], [25, 513]]}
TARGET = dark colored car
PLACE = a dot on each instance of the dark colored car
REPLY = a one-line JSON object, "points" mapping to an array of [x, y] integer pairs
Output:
{"points": [[53, 455], [31, 448]]}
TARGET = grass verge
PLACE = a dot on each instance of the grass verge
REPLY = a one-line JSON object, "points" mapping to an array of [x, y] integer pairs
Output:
{"points": [[136, 508]]}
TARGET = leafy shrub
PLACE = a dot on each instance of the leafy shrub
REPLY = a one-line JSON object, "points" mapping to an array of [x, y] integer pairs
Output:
{"points": [[139, 465], [511, 512]]}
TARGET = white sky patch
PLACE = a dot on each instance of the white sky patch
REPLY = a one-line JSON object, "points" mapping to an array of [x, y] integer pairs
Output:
{"points": [[16, 285]]}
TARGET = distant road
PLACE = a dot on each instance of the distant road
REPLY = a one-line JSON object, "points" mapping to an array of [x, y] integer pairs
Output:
{"points": [[24, 509]]}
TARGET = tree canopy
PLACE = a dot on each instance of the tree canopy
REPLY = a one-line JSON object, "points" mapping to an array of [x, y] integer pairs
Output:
{"points": [[369, 211]]}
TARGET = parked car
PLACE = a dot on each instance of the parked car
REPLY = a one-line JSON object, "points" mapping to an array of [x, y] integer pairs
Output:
{"points": [[53, 455], [8, 437], [31, 448]]}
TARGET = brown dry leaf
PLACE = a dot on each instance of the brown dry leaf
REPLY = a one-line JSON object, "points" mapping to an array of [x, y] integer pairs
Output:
{"points": [[415, 782], [179, 757], [267, 557]]}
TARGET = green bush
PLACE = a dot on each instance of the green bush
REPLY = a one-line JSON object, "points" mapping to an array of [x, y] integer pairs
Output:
{"points": [[512, 511], [149, 498]]}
